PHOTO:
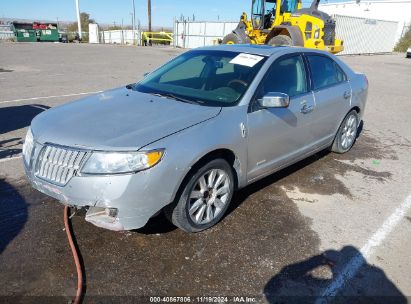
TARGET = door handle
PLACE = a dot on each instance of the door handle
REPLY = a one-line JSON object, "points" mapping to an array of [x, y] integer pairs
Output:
{"points": [[347, 94], [306, 109]]}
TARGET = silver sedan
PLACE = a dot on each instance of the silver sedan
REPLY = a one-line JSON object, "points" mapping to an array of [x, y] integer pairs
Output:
{"points": [[188, 135]]}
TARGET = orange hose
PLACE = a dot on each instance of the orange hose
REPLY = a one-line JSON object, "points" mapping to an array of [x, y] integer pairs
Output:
{"points": [[75, 256]]}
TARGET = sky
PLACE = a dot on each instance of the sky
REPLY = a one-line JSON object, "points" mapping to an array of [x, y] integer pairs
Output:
{"points": [[110, 11]]}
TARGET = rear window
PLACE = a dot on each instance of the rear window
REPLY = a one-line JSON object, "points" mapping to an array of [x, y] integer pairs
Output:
{"points": [[325, 71]]}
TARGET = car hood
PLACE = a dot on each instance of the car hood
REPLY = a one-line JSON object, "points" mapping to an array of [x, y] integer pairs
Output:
{"points": [[119, 119]]}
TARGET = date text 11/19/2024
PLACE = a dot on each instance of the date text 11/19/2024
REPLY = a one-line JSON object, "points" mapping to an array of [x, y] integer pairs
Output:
{"points": [[203, 299]]}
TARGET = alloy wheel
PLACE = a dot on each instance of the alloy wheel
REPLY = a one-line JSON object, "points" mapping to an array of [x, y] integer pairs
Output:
{"points": [[349, 132], [209, 196]]}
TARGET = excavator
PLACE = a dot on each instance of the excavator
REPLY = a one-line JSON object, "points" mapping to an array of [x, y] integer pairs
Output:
{"points": [[285, 22]]}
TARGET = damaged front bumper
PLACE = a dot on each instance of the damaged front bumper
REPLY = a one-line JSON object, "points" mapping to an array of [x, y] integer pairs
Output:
{"points": [[103, 218], [115, 202]]}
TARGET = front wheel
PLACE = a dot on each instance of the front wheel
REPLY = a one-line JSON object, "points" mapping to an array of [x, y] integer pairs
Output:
{"points": [[205, 197], [280, 40], [347, 133]]}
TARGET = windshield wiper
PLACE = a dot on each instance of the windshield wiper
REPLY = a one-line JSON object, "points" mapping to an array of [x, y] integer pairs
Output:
{"points": [[172, 96]]}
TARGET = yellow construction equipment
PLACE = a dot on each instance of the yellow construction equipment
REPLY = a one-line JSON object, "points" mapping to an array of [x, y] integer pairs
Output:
{"points": [[285, 22]]}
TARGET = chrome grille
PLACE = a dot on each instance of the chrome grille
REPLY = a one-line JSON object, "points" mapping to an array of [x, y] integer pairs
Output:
{"points": [[58, 164]]}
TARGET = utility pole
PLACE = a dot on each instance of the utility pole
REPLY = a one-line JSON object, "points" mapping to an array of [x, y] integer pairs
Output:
{"points": [[149, 18], [134, 23], [132, 26], [122, 31], [78, 19]]}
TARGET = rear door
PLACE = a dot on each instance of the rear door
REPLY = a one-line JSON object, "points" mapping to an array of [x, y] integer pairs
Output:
{"points": [[332, 93], [276, 136]]}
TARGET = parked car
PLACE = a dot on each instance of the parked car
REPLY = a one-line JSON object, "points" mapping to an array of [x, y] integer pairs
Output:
{"points": [[183, 139], [409, 52]]}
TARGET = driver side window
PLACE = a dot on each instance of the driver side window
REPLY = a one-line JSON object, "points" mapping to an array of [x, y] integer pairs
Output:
{"points": [[287, 76]]}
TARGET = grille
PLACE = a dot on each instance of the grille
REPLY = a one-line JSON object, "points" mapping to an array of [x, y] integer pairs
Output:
{"points": [[58, 164]]}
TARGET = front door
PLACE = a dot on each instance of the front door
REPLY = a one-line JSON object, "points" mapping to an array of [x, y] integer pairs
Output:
{"points": [[276, 136]]}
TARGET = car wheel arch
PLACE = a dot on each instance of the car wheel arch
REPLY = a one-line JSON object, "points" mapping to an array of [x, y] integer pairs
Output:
{"points": [[224, 153], [357, 110]]}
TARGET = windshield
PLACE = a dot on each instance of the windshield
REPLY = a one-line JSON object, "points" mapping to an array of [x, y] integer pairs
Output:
{"points": [[211, 78]]}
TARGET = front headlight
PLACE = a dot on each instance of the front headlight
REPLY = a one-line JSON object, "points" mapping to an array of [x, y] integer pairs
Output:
{"points": [[121, 162], [28, 146]]}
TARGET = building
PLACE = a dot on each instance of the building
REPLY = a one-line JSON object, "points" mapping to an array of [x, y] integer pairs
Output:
{"points": [[392, 10]]}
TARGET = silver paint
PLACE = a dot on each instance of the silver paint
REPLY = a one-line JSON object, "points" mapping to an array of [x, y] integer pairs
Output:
{"points": [[263, 141]]}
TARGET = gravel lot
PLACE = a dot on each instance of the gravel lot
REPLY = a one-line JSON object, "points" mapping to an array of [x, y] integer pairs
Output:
{"points": [[326, 223]]}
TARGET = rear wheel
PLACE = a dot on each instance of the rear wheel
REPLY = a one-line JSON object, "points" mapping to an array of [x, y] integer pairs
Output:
{"points": [[280, 40], [205, 197], [232, 39], [347, 133]]}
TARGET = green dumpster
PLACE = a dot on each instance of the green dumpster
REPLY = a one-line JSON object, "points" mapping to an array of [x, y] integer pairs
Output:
{"points": [[24, 32], [32, 32], [46, 31], [23, 35]]}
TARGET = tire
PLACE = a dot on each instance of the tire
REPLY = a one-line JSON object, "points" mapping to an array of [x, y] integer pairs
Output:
{"points": [[232, 39], [280, 40], [190, 210], [346, 134]]}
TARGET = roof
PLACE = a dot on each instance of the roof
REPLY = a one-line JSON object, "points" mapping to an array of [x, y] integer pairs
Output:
{"points": [[264, 50]]}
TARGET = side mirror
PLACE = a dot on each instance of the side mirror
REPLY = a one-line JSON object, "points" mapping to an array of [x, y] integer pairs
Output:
{"points": [[275, 100]]}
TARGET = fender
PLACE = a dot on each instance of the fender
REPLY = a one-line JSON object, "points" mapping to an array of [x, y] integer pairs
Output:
{"points": [[289, 30]]}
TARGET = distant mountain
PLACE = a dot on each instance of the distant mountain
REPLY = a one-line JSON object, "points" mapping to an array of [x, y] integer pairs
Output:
{"points": [[9, 20]]}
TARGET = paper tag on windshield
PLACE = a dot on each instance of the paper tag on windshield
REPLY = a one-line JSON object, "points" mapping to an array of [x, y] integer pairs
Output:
{"points": [[246, 59]]}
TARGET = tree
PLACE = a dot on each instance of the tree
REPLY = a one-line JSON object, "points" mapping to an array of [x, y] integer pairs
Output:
{"points": [[405, 42], [114, 28], [85, 21]]}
